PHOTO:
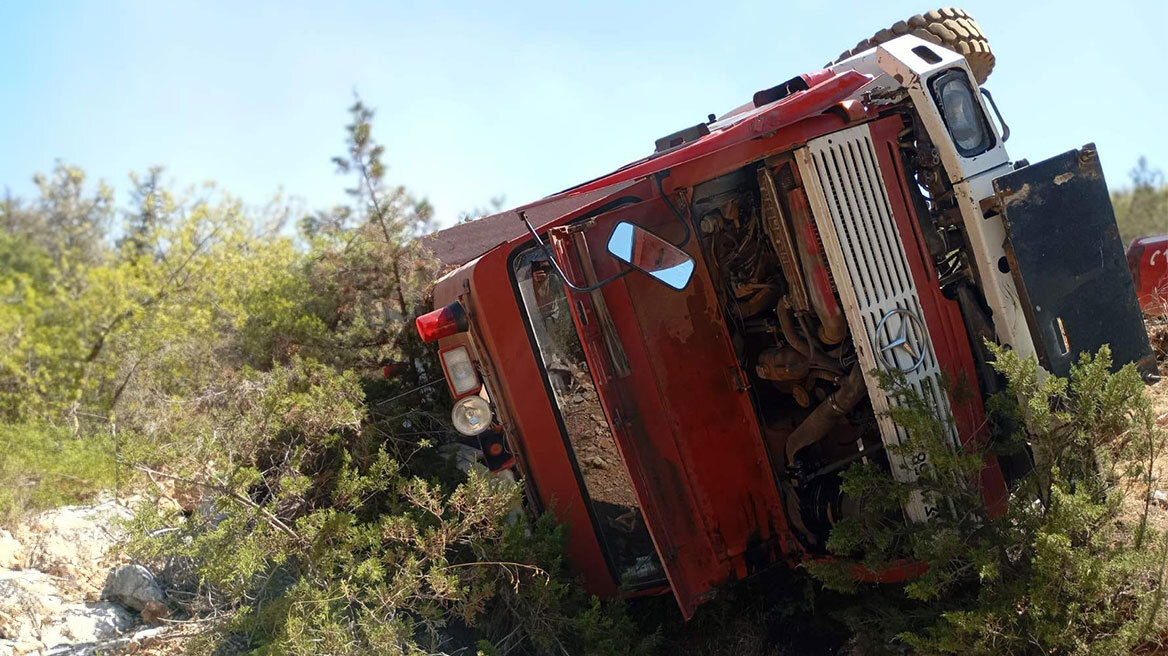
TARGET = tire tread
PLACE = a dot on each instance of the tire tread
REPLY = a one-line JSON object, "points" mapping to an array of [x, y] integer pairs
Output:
{"points": [[951, 27]]}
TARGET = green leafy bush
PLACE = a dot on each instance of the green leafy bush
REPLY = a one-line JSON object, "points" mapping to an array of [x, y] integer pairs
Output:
{"points": [[293, 500], [325, 538], [44, 467], [1142, 208], [1075, 565]]}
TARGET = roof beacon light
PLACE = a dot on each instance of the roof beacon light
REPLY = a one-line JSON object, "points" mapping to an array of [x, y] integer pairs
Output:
{"points": [[442, 322]]}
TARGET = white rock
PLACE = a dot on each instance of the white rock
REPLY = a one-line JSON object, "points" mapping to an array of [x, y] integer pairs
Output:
{"points": [[11, 551], [87, 623], [73, 542], [27, 599], [67, 553], [14, 648], [123, 644], [36, 615], [134, 586]]}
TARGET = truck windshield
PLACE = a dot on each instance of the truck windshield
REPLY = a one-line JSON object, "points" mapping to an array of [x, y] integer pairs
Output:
{"points": [[605, 483]]}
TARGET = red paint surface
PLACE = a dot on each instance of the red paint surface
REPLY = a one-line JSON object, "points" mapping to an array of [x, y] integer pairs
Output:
{"points": [[1147, 257], [523, 402], [701, 553], [812, 256], [770, 118], [683, 419]]}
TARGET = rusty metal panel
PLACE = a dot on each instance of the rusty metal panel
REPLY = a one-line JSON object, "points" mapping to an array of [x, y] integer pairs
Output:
{"points": [[684, 421], [779, 232], [1065, 254]]}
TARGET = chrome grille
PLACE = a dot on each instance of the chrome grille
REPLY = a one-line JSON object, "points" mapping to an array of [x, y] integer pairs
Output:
{"points": [[867, 259]]}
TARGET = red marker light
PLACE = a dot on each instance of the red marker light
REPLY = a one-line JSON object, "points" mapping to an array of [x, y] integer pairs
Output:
{"points": [[442, 322]]}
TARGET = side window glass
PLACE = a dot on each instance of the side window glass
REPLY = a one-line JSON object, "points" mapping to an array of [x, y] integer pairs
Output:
{"points": [[607, 487]]}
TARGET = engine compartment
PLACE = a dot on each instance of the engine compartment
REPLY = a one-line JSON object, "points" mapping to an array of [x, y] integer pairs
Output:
{"points": [[790, 337]]}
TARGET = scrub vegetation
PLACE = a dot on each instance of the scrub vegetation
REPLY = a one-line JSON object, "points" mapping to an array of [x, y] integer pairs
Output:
{"points": [[224, 365], [1142, 208], [1074, 564], [43, 467]]}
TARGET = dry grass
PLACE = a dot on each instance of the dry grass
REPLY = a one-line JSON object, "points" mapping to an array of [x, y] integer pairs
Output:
{"points": [[1158, 392]]}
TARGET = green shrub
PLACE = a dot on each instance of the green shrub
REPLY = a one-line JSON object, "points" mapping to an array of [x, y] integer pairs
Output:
{"points": [[325, 537], [1074, 566], [43, 467], [232, 360], [1142, 208]]}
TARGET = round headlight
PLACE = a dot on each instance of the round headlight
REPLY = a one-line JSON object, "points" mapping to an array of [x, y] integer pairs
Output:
{"points": [[471, 415]]}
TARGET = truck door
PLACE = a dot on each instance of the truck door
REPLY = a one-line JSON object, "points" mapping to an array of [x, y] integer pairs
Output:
{"points": [[679, 407], [1065, 254]]}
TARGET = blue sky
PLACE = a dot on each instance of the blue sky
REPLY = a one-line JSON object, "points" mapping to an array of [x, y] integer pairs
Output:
{"points": [[522, 99]]}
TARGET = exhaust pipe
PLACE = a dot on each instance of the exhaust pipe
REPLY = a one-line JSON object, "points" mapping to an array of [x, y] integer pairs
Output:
{"points": [[827, 414]]}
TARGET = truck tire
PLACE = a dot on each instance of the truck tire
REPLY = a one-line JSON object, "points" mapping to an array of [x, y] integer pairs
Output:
{"points": [[949, 27]]}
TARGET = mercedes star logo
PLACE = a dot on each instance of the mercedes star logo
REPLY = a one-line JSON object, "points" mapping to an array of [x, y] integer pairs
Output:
{"points": [[900, 340]]}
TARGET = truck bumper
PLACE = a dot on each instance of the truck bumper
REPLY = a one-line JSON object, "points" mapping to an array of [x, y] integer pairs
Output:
{"points": [[1064, 252]]}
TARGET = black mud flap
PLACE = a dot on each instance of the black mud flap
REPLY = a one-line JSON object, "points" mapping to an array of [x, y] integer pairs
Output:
{"points": [[1067, 259]]}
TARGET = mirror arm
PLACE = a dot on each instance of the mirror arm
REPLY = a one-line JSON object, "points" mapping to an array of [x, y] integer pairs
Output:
{"points": [[1001, 121], [552, 258], [684, 223]]}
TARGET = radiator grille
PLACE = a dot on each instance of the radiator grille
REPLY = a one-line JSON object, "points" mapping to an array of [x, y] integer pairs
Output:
{"points": [[867, 259]]}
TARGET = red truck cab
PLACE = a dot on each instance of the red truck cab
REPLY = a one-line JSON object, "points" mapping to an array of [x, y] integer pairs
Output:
{"points": [[614, 443], [680, 357]]}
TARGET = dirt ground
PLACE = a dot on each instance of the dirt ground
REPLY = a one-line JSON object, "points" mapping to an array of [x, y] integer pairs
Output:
{"points": [[614, 503], [1158, 336], [596, 450]]}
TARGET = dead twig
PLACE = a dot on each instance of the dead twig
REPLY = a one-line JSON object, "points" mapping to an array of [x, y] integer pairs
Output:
{"points": [[274, 521]]}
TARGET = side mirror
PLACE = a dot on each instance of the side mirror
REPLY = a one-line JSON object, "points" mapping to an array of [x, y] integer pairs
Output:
{"points": [[651, 254]]}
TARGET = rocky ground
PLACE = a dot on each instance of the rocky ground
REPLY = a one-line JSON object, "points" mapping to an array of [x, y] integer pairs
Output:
{"points": [[63, 590]]}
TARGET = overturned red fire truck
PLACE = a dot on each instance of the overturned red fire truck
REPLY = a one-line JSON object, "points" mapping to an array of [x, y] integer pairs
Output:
{"points": [[679, 357]]}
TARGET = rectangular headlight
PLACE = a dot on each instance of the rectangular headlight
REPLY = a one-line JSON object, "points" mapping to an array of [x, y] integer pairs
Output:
{"points": [[967, 124], [460, 371]]}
